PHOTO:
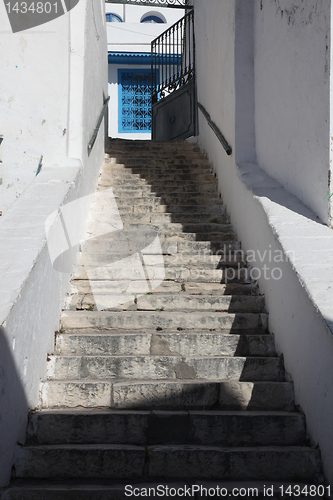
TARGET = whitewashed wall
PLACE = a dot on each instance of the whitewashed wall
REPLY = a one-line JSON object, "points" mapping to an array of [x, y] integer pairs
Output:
{"points": [[232, 63], [292, 85], [34, 83], [32, 293]]}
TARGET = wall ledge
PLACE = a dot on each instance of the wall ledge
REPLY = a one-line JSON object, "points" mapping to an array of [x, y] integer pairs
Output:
{"points": [[306, 241]]}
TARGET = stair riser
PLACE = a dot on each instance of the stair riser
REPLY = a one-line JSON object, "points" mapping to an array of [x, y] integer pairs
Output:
{"points": [[181, 343], [144, 191], [164, 367], [209, 303], [139, 287], [163, 319], [156, 162], [157, 273], [228, 395], [168, 247], [186, 303], [130, 184], [121, 176], [151, 428], [168, 462], [164, 218], [198, 262]]}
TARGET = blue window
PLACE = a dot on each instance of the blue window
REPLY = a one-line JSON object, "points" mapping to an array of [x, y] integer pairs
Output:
{"points": [[112, 18], [152, 19], [134, 100]]}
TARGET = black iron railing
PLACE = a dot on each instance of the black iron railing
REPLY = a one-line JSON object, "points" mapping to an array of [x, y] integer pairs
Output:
{"points": [[155, 3], [173, 58]]}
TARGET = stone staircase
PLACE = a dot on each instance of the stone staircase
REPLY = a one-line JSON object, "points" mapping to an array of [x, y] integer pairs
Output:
{"points": [[164, 371]]}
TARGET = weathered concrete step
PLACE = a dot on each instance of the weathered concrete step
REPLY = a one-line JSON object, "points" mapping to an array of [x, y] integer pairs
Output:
{"points": [[162, 218], [143, 190], [129, 183], [168, 395], [157, 161], [83, 287], [121, 175], [109, 490], [169, 199], [102, 342], [253, 304], [110, 271], [162, 427], [138, 320], [192, 232], [163, 154], [158, 172], [155, 367], [94, 490], [80, 461], [176, 210], [169, 247], [184, 462], [201, 261], [271, 463]]}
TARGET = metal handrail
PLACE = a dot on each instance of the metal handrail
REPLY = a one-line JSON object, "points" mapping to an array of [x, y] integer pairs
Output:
{"points": [[215, 129], [99, 122]]}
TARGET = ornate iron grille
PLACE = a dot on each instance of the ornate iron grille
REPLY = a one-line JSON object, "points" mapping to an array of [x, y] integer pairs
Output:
{"points": [[156, 3], [135, 101], [173, 58]]}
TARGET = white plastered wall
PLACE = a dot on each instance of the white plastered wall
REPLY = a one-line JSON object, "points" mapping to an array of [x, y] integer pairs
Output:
{"points": [[32, 293], [267, 216], [33, 101]]}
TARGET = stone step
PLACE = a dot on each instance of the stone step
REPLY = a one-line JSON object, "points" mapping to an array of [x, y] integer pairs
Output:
{"points": [[171, 367], [156, 161], [190, 232], [200, 488], [162, 218], [147, 153], [237, 304], [115, 144], [100, 287], [137, 320], [121, 175], [143, 428], [122, 270], [201, 261], [181, 343], [169, 247], [142, 191], [169, 199], [176, 210], [133, 182], [168, 395], [253, 304], [183, 461]]}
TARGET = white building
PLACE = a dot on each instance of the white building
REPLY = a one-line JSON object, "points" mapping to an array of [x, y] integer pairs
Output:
{"points": [[130, 30]]}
